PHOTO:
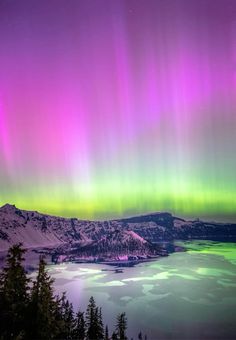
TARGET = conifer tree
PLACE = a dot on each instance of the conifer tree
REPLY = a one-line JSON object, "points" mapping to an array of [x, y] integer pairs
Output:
{"points": [[121, 326], [13, 294], [106, 333], [114, 336], [43, 324], [80, 327], [140, 336], [68, 319], [100, 326], [94, 321], [58, 315]]}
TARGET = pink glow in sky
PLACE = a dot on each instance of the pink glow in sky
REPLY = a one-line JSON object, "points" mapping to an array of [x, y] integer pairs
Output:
{"points": [[109, 108]]}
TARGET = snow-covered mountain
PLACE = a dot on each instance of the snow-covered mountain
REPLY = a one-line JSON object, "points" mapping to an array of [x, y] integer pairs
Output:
{"points": [[37, 230], [134, 234]]}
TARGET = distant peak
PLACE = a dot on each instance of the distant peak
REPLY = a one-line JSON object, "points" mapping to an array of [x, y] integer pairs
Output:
{"points": [[8, 207]]}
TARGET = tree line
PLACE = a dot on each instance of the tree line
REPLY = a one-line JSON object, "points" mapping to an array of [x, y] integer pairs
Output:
{"points": [[30, 310]]}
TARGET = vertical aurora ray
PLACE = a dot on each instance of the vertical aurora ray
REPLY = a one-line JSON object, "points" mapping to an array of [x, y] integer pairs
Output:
{"points": [[112, 108]]}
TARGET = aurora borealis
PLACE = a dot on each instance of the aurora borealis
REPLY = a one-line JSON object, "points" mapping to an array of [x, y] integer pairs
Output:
{"points": [[112, 108]]}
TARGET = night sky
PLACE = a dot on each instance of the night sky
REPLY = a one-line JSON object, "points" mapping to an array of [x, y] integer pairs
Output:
{"points": [[112, 108]]}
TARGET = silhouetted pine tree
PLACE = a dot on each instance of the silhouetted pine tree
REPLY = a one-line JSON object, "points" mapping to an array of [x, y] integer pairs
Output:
{"points": [[114, 336], [106, 333], [90, 319], [80, 327], [93, 321], [68, 318], [58, 316], [121, 326], [100, 325], [140, 336], [43, 306], [13, 295]]}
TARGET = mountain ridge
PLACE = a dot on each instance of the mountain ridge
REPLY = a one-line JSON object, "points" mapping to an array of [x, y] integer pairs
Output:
{"points": [[133, 235], [9, 207]]}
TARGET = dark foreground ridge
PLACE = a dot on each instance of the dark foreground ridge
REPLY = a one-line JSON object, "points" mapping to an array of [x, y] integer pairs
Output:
{"points": [[136, 237]]}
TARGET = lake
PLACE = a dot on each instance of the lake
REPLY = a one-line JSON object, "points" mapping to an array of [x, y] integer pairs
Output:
{"points": [[187, 295]]}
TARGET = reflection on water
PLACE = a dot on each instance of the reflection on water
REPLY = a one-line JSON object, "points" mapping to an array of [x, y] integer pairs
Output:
{"points": [[189, 295]]}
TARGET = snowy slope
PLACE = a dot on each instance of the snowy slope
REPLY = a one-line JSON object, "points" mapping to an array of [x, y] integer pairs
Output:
{"points": [[38, 230], [136, 233]]}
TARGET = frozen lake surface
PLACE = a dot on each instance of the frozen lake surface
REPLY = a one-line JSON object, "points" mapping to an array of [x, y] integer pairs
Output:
{"points": [[188, 295]]}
